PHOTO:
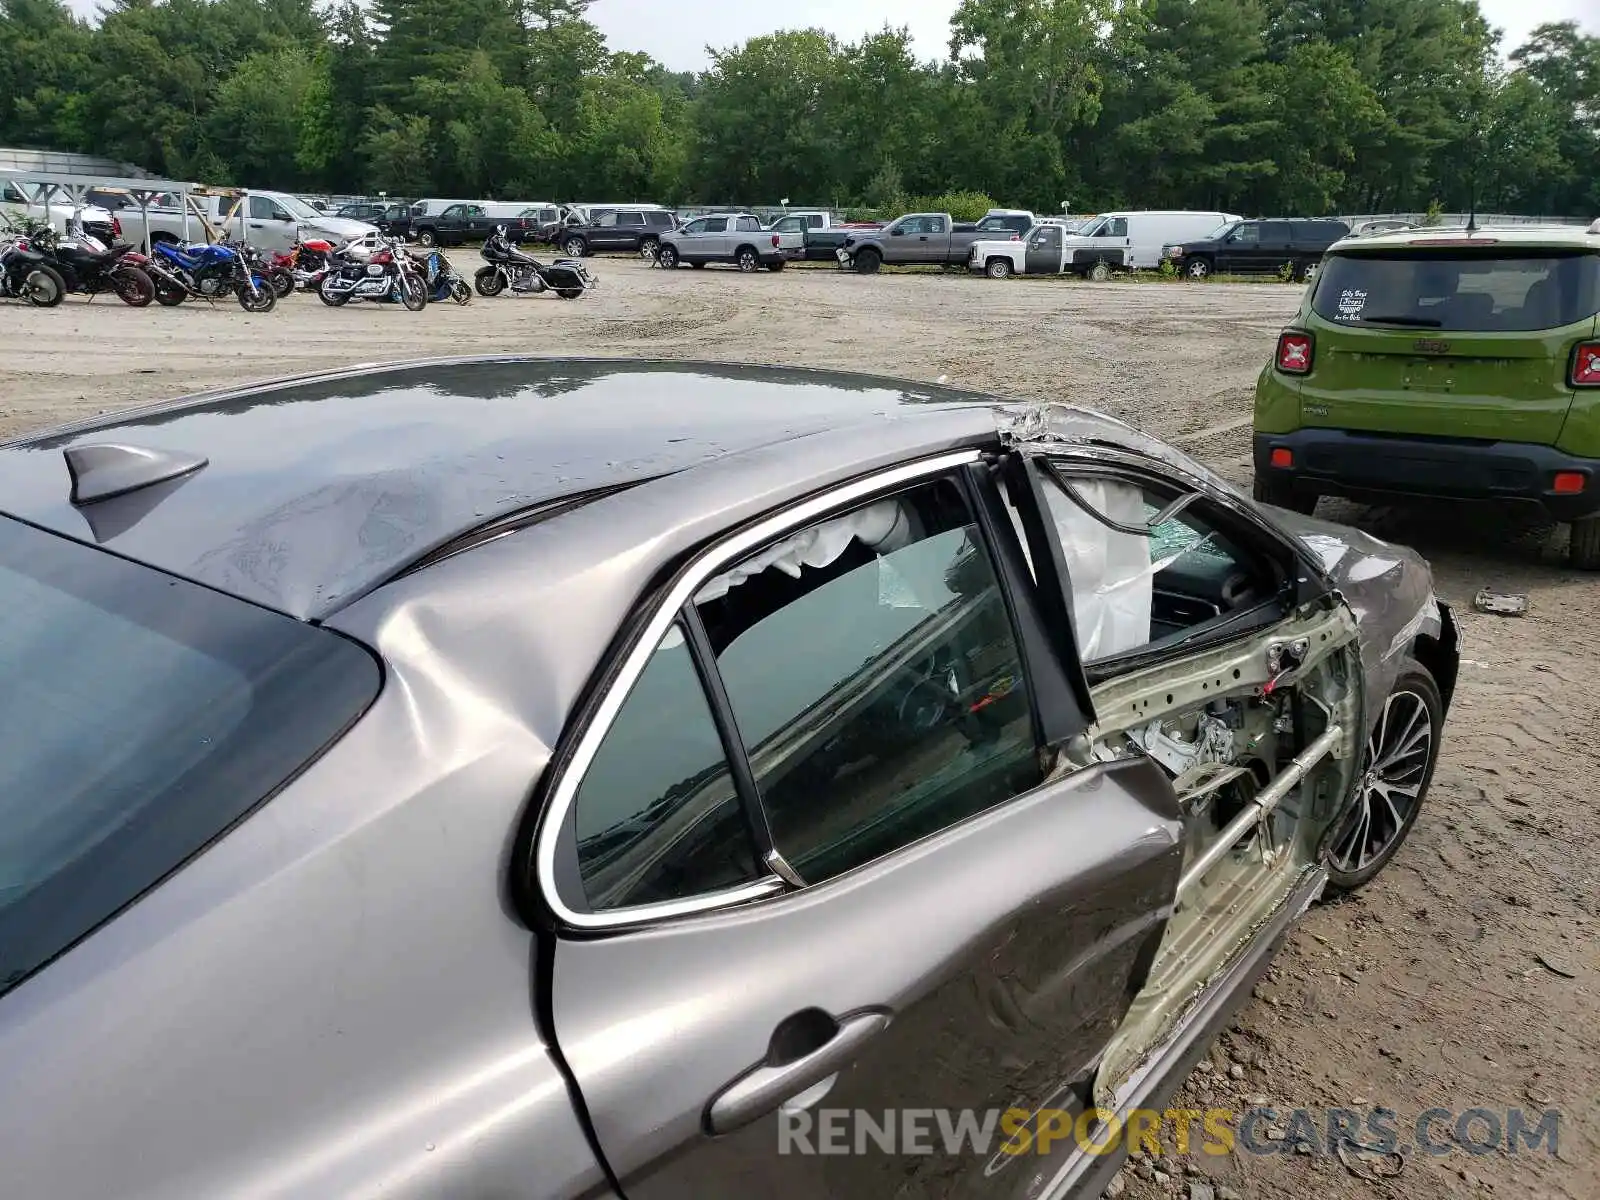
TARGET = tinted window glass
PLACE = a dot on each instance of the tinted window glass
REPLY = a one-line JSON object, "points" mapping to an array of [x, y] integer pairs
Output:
{"points": [[749, 225], [632, 219], [788, 225], [1508, 291], [140, 716], [716, 225], [874, 677], [657, 816], [661, 220], [1248, 234], [1274, 233]]}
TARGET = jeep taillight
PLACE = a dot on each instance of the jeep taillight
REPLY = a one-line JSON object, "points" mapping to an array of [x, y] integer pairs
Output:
{"points": [[1586, 365], [774, 239], [116, 227], [1294, 352]]}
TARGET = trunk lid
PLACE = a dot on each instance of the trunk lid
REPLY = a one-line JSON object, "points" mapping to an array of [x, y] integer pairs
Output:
{"points": [[1463, 342]]}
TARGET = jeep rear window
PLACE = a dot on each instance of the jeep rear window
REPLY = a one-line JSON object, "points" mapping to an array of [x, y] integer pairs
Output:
{"points": [[1469, 290], [141, 716]]}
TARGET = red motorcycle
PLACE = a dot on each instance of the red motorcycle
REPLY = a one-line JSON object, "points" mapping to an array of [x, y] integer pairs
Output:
{"points": [[303, 266]]}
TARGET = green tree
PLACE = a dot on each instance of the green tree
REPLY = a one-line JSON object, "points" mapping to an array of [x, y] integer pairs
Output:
{"points": [[766, 120]]}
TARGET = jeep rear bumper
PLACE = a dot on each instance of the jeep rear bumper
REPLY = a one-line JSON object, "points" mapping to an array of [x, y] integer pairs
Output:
{"points": [[1338, 462]]}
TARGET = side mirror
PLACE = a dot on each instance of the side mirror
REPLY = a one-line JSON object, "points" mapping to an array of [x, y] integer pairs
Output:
{"points": [[897, 232]]}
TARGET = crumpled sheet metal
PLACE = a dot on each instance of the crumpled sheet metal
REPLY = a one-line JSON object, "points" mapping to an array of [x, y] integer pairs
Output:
{"points": [[1389, 588]]}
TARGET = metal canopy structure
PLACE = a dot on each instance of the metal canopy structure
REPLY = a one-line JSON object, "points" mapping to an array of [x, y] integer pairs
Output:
{"points": [[43, 187]]}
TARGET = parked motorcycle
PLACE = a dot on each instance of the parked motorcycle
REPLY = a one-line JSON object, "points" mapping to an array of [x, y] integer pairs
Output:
{"points": [[510, 267], [280, 280], [209, 272], [25, 274], [441, 279], [86, 265], [388, 275], [306, 262]]}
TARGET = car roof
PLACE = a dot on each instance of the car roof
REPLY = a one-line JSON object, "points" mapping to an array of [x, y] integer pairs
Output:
{"points": [[1543, 237], [322, 487]]}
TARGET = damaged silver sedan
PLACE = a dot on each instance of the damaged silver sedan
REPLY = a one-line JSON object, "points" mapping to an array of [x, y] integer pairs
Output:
{"points": [[571, 779]]}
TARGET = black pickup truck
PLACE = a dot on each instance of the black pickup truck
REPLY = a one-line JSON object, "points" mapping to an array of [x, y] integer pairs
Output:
{"points": [[470, 223], [393, 219]]}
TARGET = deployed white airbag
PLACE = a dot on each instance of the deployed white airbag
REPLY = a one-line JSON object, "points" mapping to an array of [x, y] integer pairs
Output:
{"points": [[1111, 573], [884, 526]]}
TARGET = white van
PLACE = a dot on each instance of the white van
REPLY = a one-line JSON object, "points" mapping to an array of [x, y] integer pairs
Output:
{"points": [[1134, 241]]}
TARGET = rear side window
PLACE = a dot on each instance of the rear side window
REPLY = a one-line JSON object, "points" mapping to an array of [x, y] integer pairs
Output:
{"points": [[749, 225], [657, 815], [140, 717], [1503, 291], [715, 225], [660, 220], [634, 219], [871, 669], [871, 692]]}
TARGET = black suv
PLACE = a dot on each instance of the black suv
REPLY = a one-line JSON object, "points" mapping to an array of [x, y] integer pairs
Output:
{"points": [[637, 229], [1258, 248], [392, 219]]}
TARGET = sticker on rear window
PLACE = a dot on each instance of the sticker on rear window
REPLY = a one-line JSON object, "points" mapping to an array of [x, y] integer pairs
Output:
{"points": [[1351, 302]]}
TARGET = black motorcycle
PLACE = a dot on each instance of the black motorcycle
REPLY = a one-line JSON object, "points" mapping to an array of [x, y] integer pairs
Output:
{"points": [[96, 271], [26, 274], [510, 267]]}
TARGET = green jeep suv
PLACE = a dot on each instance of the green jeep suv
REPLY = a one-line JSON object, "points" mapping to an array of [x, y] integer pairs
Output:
{"points": [[1443, 363]]}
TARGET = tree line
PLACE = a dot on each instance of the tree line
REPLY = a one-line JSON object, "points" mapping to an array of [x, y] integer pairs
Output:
{"points": [[1256, 106]]}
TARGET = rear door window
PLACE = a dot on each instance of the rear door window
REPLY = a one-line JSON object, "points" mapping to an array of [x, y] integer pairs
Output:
{"points": [[140, 717], [871, 668], [1501, 291]]}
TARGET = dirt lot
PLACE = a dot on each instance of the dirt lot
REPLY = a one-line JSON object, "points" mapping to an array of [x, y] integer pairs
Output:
{"points": [[1466, 976]]}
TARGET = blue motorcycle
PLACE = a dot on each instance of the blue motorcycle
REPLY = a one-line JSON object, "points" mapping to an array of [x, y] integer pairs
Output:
{"points": [[208, 272], [441, 279]]}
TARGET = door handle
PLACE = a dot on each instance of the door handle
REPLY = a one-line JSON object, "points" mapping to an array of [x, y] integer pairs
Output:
{"points": [[765, 1087]]}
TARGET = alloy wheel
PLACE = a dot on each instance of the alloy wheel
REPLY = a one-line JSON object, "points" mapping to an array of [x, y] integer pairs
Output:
{"points": [[1394, 771]]}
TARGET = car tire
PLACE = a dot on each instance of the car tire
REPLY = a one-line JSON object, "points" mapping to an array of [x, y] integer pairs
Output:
{"points": [[1583, 544], [649, 248], [698, 266], [1099, 273], [1197, 268], [747, 259], [667, 258], [1364, 842], [427, 238], [998, 268], [575, 247], [868, 262], [1284, 493], [776, 266]]}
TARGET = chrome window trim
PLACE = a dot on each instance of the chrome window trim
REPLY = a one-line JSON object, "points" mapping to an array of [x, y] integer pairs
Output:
{"points": [[714, 559]]}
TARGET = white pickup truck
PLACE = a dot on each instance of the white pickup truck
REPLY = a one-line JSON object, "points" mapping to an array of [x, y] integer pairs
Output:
{"points": [[14, 205], [268, 220]]}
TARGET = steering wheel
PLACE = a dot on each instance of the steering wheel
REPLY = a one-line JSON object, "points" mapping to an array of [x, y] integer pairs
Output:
{"points": [[1236, 589]]}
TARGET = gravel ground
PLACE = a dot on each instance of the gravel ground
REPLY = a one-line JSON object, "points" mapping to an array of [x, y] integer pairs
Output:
{"points": [[1464, 977]]}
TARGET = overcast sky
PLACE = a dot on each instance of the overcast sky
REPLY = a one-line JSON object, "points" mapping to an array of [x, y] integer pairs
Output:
{"points": [[675, 32]]}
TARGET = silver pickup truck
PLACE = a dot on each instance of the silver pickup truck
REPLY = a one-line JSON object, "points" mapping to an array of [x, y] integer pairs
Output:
{"points": [[918, 239]]}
